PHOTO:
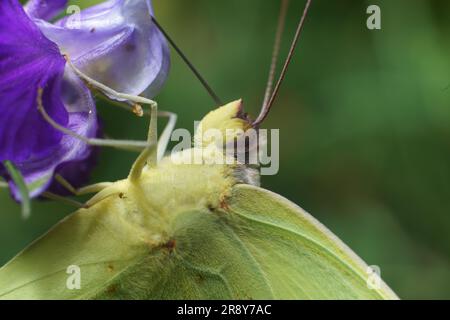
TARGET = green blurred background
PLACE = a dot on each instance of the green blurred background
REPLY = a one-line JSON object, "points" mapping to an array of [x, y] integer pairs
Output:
{"points": [[364, 119]]}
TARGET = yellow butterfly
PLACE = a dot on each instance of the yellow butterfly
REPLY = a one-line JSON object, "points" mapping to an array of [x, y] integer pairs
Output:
{"points": [[182, 230]]}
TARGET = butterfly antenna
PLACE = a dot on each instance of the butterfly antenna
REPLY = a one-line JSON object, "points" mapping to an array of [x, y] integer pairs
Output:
{"points": [[205, 84], [276, 51], [266, 108]]}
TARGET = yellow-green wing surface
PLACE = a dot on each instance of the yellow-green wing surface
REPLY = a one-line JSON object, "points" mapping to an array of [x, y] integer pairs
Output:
{"points": [[299, 257], [257, 245]]}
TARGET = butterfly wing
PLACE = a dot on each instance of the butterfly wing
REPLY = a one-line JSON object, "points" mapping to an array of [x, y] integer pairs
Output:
{"points": [[257, 246], [300, 258], [96, 240]]}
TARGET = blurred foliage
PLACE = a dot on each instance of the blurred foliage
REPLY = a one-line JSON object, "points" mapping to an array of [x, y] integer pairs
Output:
{"points": [[364, 118]]}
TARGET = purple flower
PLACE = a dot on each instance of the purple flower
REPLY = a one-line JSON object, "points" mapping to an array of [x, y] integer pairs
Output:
{"points": [[115, 43]]}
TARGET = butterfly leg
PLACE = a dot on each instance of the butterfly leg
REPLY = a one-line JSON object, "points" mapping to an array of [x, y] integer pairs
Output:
{"points": [[164, 139], [48, 195], [93, 188], [133, 104], [68, 201], [52, 196], [110, 93], [130, 145], [149, 156], [119, 144], [162, 146]]}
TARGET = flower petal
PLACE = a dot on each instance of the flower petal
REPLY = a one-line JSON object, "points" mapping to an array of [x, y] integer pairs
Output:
{"points": [[28, 61], [70, 153], [44, 9], [117, 44]]}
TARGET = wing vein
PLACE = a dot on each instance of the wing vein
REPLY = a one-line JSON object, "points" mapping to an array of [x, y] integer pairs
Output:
{"points": [[314, 242], [247, 251]]}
